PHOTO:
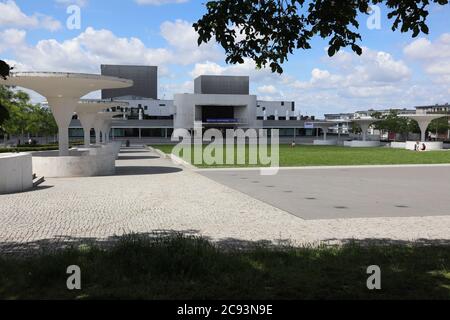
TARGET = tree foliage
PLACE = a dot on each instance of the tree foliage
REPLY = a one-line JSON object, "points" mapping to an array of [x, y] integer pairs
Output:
{"points": [[439, 125], [393, 123], [4, 69], [268, 31], [23, 116]]}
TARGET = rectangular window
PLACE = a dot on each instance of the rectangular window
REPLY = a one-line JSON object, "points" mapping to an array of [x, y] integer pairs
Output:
{"points": [[282, 104]]}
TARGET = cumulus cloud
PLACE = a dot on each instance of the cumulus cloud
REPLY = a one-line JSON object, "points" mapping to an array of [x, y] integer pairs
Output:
{"points": [[267, 89], [182, 37], [13, 16], [359, 75], [433, 55], [88, 50], [248, 68]]}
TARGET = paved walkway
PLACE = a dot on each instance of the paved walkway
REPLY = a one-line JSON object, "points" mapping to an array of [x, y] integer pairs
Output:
{"points": [[150, 194], [357, 192]]}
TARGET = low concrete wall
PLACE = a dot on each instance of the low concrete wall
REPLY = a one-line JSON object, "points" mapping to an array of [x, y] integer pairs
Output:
{"points": [[110, 148], [84, 165], [362, 144], [325, 142], [398, 145], [16, 172], [431, 145]]}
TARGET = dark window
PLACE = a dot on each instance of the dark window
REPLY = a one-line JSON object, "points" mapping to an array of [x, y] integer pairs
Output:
{"points": [[264, 108], [293, 106], [162, 105], [146, 108], [282, 104]]}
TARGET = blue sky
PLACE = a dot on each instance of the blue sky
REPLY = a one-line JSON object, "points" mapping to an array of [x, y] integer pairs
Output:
{"points": [[394, 71]]}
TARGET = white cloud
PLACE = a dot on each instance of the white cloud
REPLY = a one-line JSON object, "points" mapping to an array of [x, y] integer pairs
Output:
{"points": [[182, 37], [86, 52], [248, 68], [433, 55], [267, 89], [159, 2], [11, 38], [12, 16]]}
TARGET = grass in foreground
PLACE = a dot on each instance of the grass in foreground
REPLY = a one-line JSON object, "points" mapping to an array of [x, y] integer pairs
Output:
{"points": [[340, 156], [177, 267]]}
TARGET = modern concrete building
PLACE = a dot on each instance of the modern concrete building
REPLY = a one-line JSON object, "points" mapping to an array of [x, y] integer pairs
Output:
{"points": [[145, 80], [229, 85], [217, 102]]}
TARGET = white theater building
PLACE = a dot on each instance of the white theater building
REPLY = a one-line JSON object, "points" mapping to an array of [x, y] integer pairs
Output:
{"points": [[217, 102]]}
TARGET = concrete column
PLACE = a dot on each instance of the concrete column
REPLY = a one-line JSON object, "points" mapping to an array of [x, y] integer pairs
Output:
{"points": [[97, 136], [63, 140], [140, 133], [63, 110], [364, 128], [423, 125], [87, 122], [325, 133]]}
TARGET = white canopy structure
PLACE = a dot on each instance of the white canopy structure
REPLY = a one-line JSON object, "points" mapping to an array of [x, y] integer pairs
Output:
{"points": [[103, 123], [364, 124], [324, 126], [87, 111], [63, 92], [424, 121]]}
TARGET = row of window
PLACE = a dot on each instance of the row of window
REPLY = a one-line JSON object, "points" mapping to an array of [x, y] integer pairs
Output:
{"points": [[282, 104]]}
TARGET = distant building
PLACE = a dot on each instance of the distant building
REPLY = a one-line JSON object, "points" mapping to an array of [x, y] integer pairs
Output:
{"points": [[438, 108], [145, 81]]}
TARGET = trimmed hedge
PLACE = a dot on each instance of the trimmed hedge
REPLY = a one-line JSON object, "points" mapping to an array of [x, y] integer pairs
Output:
{"points": [[27, 149]]}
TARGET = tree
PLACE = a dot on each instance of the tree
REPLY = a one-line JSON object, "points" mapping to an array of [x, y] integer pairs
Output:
{"points": [[268, 31], [4, 114], [439, 126], [393, 123], [4, 69], [23, 116]]}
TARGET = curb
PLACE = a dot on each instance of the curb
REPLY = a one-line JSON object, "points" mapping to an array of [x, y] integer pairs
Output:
{"points": [[175, 159]]}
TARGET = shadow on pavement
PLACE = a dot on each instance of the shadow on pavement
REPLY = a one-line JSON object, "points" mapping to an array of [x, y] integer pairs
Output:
{"points": [[138, 157], [135, 171]]}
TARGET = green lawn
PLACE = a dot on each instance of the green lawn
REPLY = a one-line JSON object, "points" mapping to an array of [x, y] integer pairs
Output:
{"points": [[177, 267], [332, 156]]}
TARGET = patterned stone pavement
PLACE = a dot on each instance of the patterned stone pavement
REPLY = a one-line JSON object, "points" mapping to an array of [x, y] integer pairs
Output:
{"points": [[150, 194]]}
